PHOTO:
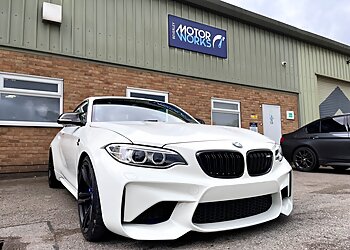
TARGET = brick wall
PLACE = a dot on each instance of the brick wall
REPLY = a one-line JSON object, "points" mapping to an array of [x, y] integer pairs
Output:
{"points": [[25, 149]]}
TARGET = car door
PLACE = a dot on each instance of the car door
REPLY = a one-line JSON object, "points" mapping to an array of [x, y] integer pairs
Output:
{"points": [[332, 143], [70, 145]]}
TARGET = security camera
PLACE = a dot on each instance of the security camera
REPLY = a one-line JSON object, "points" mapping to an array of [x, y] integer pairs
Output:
{"points": [[284, 63]]}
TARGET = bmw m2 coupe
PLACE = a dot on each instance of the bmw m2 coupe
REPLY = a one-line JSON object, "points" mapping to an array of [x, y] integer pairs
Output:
{"points": [[148, 170]]}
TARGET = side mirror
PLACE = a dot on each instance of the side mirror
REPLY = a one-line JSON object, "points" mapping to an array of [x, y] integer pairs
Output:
{"points": [[200, 120], [70, 119]]}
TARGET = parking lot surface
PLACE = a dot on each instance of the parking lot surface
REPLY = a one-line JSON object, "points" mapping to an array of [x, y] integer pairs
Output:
{"points": [[36, 217]]}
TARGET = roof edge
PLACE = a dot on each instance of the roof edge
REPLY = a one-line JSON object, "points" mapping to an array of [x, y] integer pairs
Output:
{"points": [[266, 23]]}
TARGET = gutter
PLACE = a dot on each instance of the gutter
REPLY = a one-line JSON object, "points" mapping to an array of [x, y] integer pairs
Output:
{"points": [[244, 16]]}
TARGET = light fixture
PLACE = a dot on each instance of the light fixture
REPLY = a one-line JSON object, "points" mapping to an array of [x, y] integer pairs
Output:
{"points": [[52, 13], [348, 61]]}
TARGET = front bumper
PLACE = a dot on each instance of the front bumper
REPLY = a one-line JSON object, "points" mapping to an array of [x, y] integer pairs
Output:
{"points": [[127, 191]]}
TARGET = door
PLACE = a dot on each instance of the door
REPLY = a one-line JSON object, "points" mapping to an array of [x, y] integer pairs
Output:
{"points": [[334, 97], [70, 145], [272, 121], [332, 144]]}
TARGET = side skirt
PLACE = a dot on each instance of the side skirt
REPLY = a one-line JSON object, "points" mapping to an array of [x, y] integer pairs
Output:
{"points": [[69, 187]]}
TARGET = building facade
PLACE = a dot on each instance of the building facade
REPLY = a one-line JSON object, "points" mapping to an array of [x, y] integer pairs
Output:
{"points": [[256, 73]]}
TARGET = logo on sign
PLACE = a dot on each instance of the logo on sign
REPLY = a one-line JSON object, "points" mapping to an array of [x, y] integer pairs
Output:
{"points": [[197, 37]]}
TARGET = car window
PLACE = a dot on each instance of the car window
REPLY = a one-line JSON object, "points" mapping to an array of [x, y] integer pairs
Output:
{"points": [[313, 127], [82, 109], [336, 124], [121, 110]]}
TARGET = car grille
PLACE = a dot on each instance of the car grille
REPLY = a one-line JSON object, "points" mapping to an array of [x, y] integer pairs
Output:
{"points": [[259, 162], [212, 212], [221, 164]]}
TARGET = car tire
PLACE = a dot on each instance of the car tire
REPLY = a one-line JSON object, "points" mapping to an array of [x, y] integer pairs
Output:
{"points": [[53, 182], [89, 206], [305, 159], [341, 168]]}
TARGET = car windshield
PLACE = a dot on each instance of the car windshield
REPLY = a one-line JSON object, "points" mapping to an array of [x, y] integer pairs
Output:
{"points": [[121, 110]]}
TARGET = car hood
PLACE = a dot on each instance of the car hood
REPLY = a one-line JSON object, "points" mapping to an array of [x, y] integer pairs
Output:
{"points": [[161, 134]]}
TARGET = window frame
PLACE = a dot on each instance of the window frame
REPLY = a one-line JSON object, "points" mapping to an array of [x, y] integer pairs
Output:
{"points": [[226, 111], [164, 94], [34, 93]]}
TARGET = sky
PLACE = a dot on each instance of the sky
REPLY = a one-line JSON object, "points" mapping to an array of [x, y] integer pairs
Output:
{"points": [[328, 18]]}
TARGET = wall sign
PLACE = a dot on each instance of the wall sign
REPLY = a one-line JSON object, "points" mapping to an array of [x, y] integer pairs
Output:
{"points": [[290, 115], [189, 35]]}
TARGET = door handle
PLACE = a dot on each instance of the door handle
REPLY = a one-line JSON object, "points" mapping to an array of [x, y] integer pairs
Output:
{"points": [[314, 137], [78, 142]]}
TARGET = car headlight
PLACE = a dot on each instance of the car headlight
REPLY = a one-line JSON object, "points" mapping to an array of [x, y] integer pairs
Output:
{"points": [[278, 153], [143, 156]]}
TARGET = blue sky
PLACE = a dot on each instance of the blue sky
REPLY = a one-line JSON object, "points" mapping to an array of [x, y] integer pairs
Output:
{"points": [[328, 18]]}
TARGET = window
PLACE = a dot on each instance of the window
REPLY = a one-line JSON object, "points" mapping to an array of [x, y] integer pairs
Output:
{"points": [[147, 94], [120, 110], [331, 125], [30, 100], [313, 128], [225, 112], [82, 109]]}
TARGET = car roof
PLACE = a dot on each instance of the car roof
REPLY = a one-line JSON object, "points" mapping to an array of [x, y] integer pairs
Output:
{"points": [[320, 119], [93, 98], [334, 116]]}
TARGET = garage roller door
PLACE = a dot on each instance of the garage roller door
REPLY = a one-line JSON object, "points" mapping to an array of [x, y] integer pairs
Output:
{"points": [[334, 96]]}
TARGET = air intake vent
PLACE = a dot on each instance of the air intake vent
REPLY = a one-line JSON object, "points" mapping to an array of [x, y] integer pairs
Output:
{"points": [[212, 212], [158, 213], [221, 164]]}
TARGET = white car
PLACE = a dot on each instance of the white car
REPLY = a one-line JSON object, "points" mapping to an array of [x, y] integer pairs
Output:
{"points": [[148, 170]]}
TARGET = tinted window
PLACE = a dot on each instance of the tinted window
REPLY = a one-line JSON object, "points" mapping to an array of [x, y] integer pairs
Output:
{"points": [[148, 96], [29, 85], [313, 128], [225, 119], [82, 109], [330, 125], [224, 105], [14, 107]]}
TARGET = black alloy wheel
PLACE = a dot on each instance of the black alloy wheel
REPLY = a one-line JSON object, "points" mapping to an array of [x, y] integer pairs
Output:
{"points": [[89, 207], [305, 159], [53, 182]]}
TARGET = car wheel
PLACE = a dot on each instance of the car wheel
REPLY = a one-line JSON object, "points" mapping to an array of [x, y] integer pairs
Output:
{"points": [[305, 159], [340, 167], [53, 182], [89, 207]]}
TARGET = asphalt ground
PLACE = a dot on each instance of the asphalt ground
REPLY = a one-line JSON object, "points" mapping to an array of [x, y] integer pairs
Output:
{"points": [[33, 216]]}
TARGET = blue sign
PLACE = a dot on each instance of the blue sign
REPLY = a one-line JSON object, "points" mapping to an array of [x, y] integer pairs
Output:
{"points": [[189, 35]]}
